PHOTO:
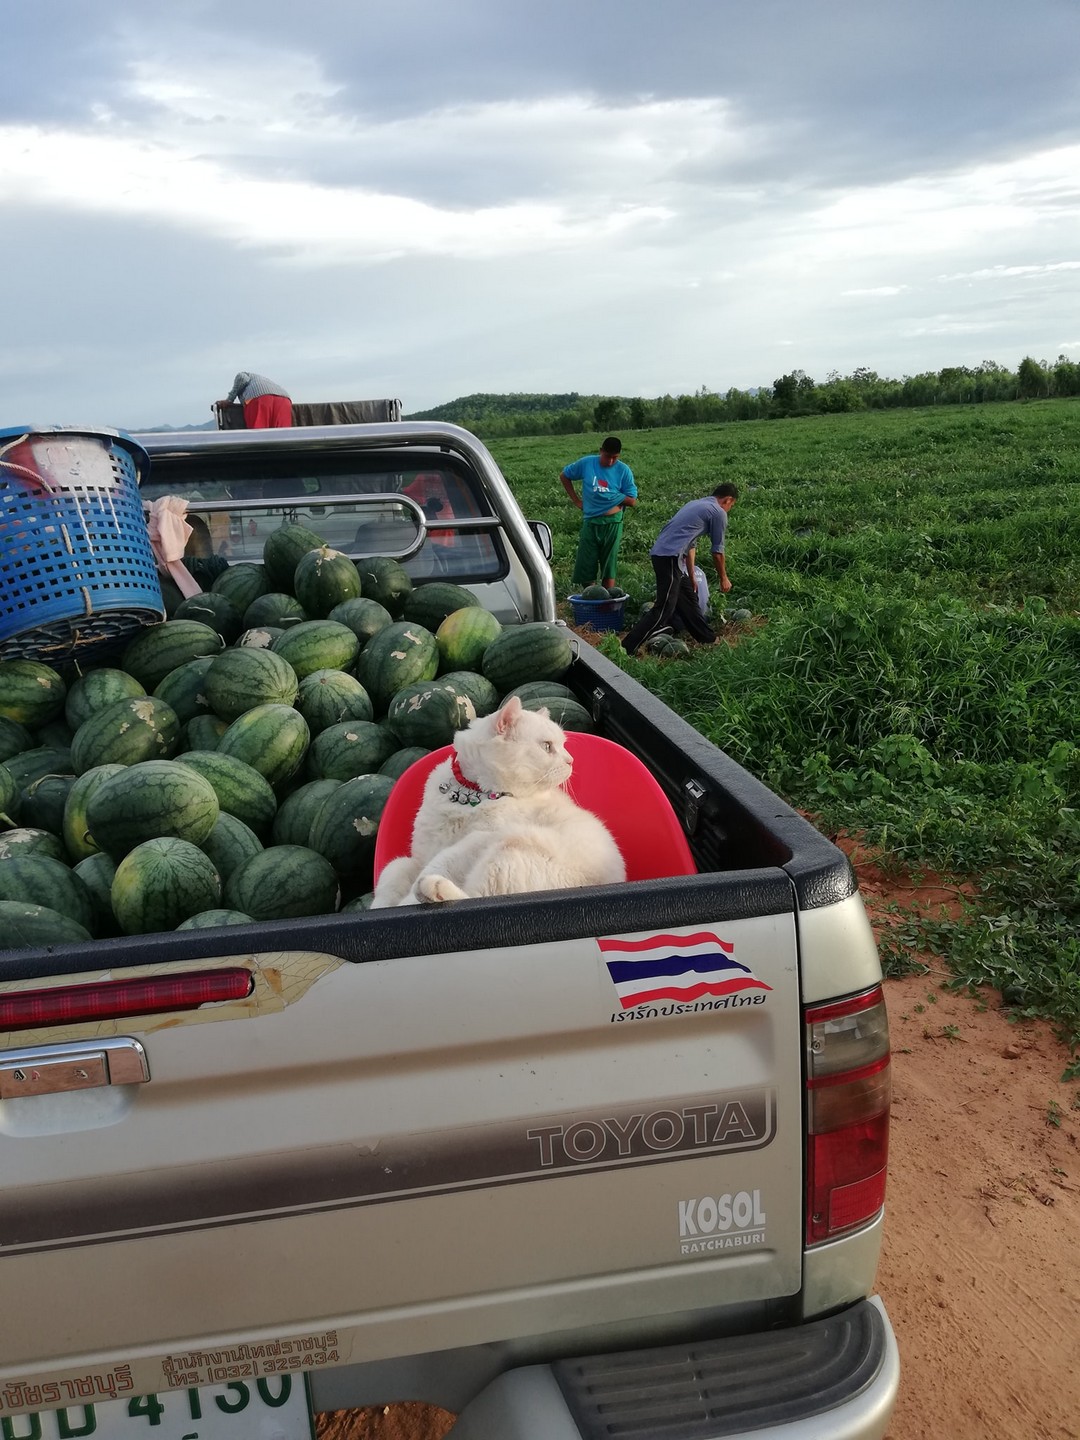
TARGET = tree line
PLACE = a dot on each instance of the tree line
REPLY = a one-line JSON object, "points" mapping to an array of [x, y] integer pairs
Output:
{"points": [[794, 394]]}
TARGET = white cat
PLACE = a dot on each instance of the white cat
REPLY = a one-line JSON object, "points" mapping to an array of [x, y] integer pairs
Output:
{"points": [[493, 820]]}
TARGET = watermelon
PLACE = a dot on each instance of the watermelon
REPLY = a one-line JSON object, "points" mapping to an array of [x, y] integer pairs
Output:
{"points": [[31, 765], [292, 823], [275, 610], [385, 580], [14, 738], [41, 804], [126, 732], [184, 689], [240, 679], [568, 714], [282, 551], [362, 902], [324, 578], [240, 789], [9, 798], [40, 880], [741, 615], [481, 692], [354, 747], [431, 603], [96, 689], [171, 594], [165, 647], [229, 844], [215, 610], [345, 825], [463, 636], [161, 883], [75, 827], [242, 584], [668, 646], [317, 645], [329, 696], [24, 926], [532, 689], [282, 882], [97, 873], [260, 638], [595, 592], [537, 651], [30, 693], [430, 713], [56, 734], [25, 840], [399, 655], [363, 617], [202, 732], [400, 761], [211, 919], [159, 798], [273, 739]]}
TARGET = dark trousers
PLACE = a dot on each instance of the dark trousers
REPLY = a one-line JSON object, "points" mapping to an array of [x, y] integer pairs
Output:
{"points": [[674, 596]]}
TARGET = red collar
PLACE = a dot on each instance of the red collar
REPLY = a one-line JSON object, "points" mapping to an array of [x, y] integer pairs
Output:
{"points": [[455, 770]]}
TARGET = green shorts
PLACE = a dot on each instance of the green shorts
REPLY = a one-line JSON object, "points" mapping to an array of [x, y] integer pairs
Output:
{"points": [[598, 549]]}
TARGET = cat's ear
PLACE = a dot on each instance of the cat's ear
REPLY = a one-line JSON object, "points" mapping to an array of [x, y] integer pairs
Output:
{"points": [[508, 715]]}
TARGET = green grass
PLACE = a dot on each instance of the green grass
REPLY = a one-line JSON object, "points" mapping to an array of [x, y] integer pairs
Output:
{"points": [[913, 669]]}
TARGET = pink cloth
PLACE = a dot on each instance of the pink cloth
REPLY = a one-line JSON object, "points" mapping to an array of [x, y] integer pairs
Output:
{"points": [[169, 534]]}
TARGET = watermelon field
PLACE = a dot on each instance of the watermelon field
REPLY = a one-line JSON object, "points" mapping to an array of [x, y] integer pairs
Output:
{"points": [[911, 670]]}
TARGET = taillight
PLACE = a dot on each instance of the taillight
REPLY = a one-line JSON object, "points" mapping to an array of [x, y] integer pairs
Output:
{"points": [[118, 999], [848, 1082]]}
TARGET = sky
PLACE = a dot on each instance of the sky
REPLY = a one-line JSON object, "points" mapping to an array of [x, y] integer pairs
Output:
{"points": [[425, 200]]}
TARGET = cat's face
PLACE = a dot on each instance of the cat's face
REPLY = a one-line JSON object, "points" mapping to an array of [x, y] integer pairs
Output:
{"points": [[524, 750]]}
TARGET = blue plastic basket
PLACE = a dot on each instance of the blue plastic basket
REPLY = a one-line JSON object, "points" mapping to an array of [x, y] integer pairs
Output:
{"points": [[76, 569], [600, 614]]}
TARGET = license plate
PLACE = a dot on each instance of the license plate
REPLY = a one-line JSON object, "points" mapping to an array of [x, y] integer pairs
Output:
{"points": [[275, 1408]]}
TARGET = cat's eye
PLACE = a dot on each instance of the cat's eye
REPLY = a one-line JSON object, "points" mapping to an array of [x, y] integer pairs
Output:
{"points": [[549, 747]]}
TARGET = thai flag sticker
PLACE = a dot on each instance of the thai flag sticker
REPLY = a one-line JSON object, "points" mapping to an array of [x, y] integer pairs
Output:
{"points": [[675, 967]]}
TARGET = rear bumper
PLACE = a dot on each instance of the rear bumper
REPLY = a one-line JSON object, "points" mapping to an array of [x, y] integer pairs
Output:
{"points": [[836, 1377]]}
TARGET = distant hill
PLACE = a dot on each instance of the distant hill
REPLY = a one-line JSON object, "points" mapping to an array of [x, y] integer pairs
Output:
{"points": [[468, 407], [175, 429]]}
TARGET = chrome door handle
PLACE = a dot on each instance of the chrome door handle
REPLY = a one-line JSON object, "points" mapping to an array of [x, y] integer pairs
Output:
{"points": [[55, 1069]]}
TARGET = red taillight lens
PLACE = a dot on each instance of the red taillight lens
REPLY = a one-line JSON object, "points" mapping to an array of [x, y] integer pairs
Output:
{"points": [[847, 1114], [118, 999]]}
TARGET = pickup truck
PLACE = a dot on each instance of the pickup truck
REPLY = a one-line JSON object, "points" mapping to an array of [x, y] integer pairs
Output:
{"points": [[497, 1156]]}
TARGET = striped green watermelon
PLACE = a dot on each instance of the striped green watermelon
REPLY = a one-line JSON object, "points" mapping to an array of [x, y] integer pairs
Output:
{"points": [[24, 840], [57, 734], [14, 738], [75, 827], [463, 636], [40, 880], [31, 693], [159, 798], [229, 844], [537, 651], [547, 689], [171, 595], [275, 610], [430, 713], [31, 765], [162, 883], [329, 696], [213, 919], [595, 592], [430, 603], [202, 732], [41, 804], [96, 689], [242, 583], [363, 617], [345, 826], [9, 799], [385, 580], [400, 761], [292, 823], [240, 679], [317, 645], [260, 638], [97, 873], [25, 927], [162, 648], [399, 655], [241, 790], [481, 692], [282, 882], [184, 689], [569, 714], [215, 610], [126, 733], [273, 739], [354, 747], [361, 902], [283, 550], [324, 578]]}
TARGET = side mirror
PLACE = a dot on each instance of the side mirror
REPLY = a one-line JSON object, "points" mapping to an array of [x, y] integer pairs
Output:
{"points": [[542, 535]]}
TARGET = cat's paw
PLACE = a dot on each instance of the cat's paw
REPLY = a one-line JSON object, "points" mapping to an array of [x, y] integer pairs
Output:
{"points": [[434, 889]]}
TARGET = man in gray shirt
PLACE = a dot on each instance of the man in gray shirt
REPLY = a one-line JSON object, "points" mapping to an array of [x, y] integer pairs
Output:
{"points": [[676, 588], [267, 404]]}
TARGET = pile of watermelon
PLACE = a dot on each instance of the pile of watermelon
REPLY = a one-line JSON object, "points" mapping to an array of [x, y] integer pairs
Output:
{"points": [[231, 764]]}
